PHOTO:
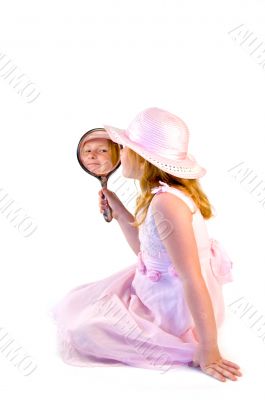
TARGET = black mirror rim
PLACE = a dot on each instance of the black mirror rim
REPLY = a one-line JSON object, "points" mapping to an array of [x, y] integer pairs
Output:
{"points": [[81, 164]]}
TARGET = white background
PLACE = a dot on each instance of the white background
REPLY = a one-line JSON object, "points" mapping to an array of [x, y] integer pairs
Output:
{"points": [[101, 62]]}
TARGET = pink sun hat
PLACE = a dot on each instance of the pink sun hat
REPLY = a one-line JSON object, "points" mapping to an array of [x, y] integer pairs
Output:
{"points": [[162, 139]]}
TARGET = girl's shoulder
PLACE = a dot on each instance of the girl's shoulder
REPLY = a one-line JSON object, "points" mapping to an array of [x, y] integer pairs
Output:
{"points": [[180, 193]]}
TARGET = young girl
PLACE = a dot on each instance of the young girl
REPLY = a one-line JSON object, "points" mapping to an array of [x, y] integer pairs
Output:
{"points": [[164, 310]]}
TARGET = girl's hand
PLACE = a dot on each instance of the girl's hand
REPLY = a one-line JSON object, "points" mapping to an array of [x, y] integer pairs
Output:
{"points": [[112, 200], [212, 363]]}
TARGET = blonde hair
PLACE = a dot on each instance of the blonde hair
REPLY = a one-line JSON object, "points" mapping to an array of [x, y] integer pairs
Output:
{"points": [[149, 179], [115, 152]]}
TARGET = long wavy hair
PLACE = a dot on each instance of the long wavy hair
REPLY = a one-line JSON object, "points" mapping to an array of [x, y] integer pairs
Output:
{"points": [[114, 151], [149, 179]]}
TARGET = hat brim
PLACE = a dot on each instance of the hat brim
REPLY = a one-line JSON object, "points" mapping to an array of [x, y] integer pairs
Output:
{"points": [[187, 168], [97, 135]]}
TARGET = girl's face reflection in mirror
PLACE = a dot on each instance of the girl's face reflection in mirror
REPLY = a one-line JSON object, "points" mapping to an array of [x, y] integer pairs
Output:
{"points": [[95, 154]]}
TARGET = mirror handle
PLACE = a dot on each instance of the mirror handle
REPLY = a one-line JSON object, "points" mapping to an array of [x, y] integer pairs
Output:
{"points": [[107, 214]]}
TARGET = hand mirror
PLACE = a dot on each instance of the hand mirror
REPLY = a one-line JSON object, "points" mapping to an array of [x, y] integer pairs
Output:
{"points": [[99, 156]]}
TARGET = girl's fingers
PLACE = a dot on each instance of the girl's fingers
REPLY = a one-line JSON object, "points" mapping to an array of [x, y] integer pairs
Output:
{"points": [[230, 363], [232, 369], [211, 371], [225, 372]]}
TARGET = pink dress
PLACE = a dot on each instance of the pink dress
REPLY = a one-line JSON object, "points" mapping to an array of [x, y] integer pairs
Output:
{"points": [[138, 316]]}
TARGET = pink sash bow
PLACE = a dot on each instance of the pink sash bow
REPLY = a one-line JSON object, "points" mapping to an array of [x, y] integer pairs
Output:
{"points": [[220, 262]]}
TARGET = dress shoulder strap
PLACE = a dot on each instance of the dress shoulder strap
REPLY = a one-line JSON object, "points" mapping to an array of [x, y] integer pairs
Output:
{"points": [[179, 193]]}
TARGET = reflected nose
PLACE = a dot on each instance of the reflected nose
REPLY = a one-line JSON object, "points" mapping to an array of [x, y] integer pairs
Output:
{"points": [[91, 155]]}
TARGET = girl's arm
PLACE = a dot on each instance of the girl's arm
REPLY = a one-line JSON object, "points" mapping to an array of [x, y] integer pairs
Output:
{"points": [[176, 232], [174, 224], [131, 233]]}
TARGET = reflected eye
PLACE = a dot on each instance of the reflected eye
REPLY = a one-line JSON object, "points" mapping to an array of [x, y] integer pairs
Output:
{"points": [[104, 150]]}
